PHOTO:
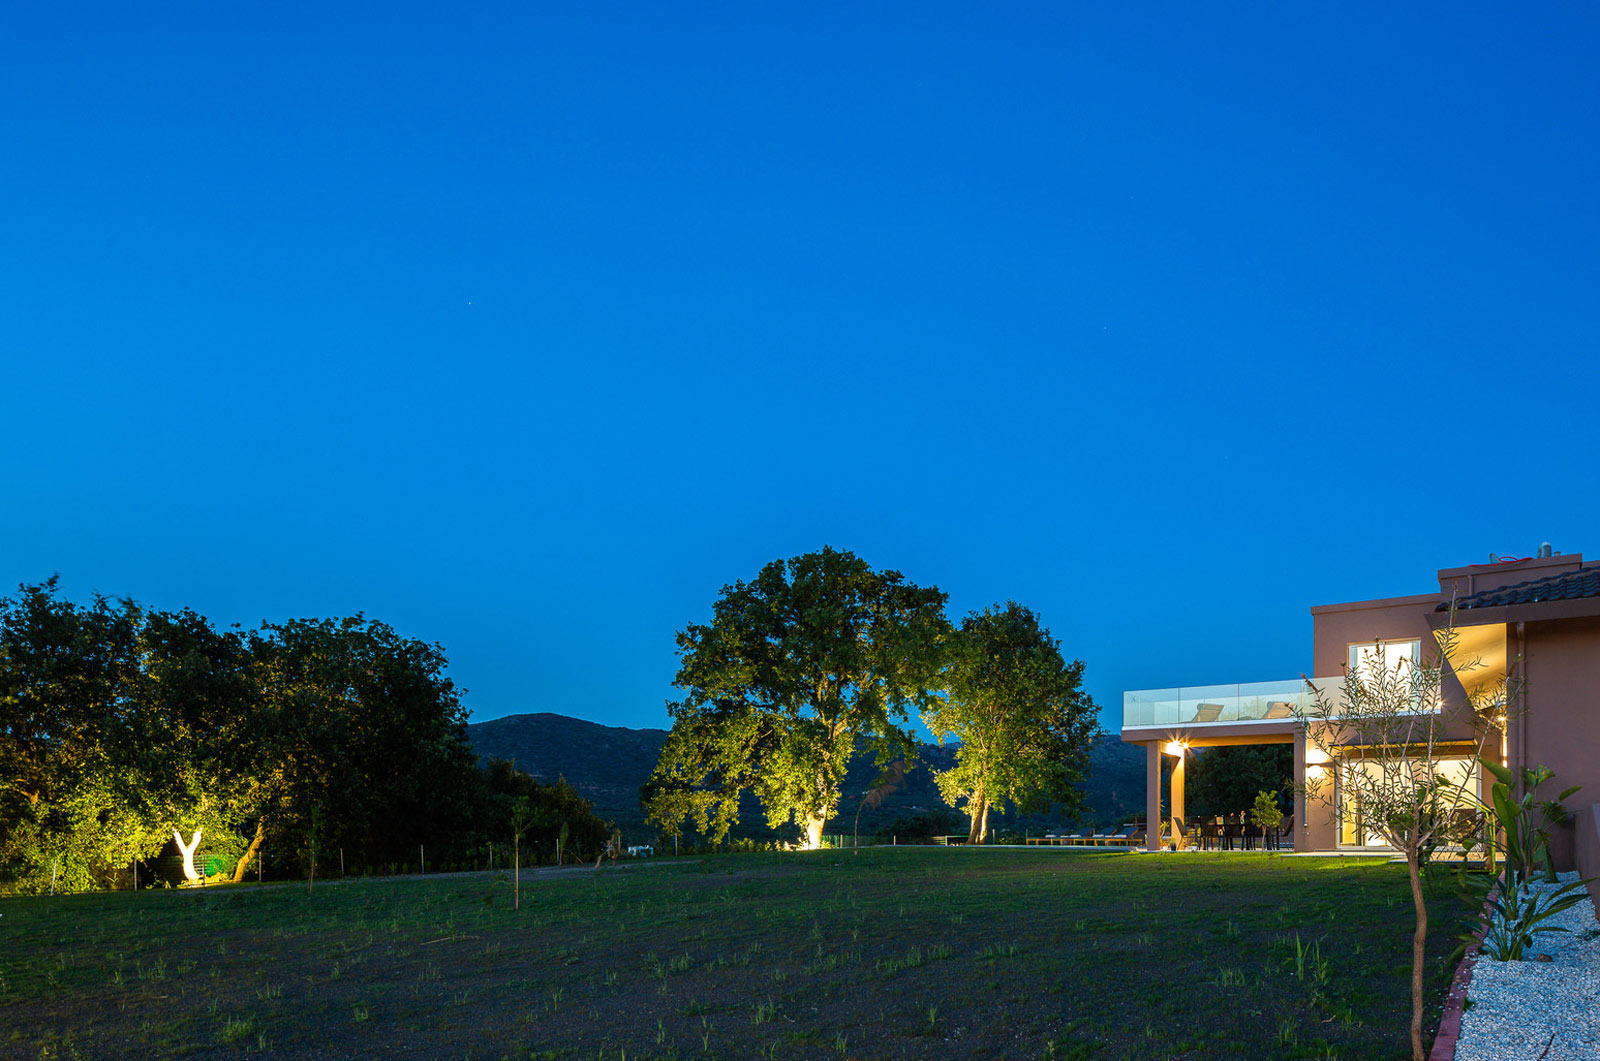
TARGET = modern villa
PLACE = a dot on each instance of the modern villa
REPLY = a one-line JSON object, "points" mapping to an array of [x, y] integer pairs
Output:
{"points": [[1536, 619]]}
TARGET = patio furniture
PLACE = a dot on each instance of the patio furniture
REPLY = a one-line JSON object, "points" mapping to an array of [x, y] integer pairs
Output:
{"points": [[1279, 709], [1206, 713], [1232, 832], [1124, 836]]}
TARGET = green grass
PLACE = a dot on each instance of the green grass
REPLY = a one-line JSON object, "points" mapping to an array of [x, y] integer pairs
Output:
{"points": [[895, 953]]}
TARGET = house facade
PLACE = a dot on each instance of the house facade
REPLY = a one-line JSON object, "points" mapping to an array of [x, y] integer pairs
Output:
{"points": [[1534, 620]]}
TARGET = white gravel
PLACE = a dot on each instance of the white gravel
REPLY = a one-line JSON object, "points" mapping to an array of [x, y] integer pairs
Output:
{"points": [[1534, 1009]]}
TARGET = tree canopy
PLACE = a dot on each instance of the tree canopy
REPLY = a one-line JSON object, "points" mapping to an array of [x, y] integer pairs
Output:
{"points": [[811, 657], [1227, 779], [1018, 709], [123, 730]]}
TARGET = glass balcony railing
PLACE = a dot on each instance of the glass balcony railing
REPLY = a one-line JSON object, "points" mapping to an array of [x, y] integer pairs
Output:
{"points": [[1202, 705]]}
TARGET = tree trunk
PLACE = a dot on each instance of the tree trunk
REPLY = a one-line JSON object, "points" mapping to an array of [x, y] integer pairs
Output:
{"points": [[516, 887], [814, 824], [1419, 939], [189, 872], [979, 809], [250, 852]]}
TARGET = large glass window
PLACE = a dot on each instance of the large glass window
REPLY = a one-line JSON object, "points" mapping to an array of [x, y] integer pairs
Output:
{"points": [[1356, 827]]}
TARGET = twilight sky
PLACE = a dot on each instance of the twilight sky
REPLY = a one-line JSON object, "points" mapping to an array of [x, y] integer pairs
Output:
{"points": [[526, 327]]}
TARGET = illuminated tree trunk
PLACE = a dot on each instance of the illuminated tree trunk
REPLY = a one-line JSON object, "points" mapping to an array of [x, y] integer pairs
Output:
{"points": [[814, 824], [249, 853], [978, 807], [189, 871]]}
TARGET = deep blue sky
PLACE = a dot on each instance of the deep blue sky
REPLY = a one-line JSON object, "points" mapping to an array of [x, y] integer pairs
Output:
{"points": [[527, 327]]}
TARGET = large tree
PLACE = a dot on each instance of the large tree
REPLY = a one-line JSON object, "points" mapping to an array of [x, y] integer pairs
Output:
{"points": [[123, 730], [360, 729], [1018, 709], [815, 655], [68, 682], [187, 760]]}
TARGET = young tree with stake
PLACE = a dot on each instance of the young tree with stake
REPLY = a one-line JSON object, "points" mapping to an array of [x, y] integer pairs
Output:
{"points": [[522, 816], [1395, 743]]}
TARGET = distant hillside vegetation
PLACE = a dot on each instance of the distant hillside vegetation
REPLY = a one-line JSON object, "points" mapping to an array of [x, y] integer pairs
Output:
{"points": [[609, 763]]}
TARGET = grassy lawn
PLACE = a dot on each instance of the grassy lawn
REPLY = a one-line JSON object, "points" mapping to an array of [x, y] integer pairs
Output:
{"points": [[897, 952]]}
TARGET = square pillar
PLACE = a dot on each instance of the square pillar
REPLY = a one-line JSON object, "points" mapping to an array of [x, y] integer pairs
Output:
{"points": [[1299, 827], [1178, 813], [1152, 796]]}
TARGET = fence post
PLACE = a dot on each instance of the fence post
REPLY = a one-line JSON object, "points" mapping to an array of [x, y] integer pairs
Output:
{"points": [[422, 859]]}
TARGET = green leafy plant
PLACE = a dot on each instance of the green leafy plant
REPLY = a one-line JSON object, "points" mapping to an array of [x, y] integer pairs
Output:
{"points": [[1509, 917], [1515, 915], [1526, 822]]}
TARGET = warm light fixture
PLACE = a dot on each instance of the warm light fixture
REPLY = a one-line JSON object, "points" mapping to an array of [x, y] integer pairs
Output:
{"points": [[1175, 747], [1316, 755]]}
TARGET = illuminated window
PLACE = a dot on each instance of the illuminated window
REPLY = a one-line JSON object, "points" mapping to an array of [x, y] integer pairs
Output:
{"points": [[1371, 658]]}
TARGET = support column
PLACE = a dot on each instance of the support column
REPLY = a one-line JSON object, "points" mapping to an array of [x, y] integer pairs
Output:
{"points": [[1298, 826], [1178, 815], [1152, 796]]}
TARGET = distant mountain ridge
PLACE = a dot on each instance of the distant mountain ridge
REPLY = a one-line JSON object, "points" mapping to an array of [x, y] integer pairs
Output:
{"points": [[607, 764]]}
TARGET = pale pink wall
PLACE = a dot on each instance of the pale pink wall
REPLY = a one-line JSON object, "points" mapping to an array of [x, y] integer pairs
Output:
{"points": [[1587, 824], [1560, 721], [1335, 627]]}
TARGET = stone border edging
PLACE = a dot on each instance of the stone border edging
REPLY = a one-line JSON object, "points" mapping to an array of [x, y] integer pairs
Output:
{"points": [[1444, 1042]]}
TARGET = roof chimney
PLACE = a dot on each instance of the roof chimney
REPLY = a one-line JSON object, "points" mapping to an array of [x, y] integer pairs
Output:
{"points": [[1544, 550]]}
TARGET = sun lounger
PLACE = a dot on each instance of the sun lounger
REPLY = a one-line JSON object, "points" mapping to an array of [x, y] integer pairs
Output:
{"points": [[1124, 836], [1206, 713]]}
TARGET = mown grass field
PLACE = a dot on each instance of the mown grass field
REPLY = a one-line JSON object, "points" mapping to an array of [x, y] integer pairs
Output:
{"points": [[893, 953]]}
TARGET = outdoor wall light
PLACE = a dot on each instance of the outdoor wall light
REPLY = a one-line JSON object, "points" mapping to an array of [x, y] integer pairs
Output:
{"points": [[1175, 747]]}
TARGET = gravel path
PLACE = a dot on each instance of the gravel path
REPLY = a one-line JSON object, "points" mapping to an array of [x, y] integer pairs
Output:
{"points": [[1533, 1009]]}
